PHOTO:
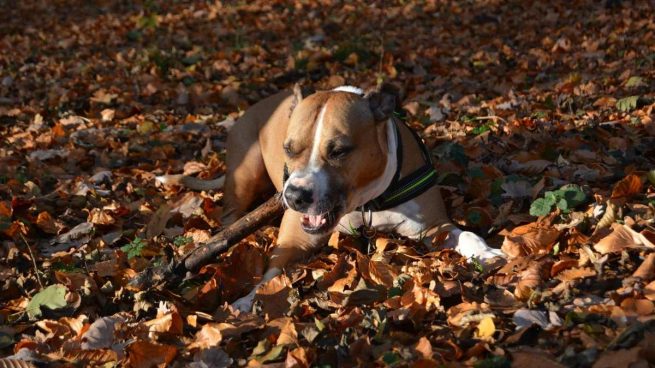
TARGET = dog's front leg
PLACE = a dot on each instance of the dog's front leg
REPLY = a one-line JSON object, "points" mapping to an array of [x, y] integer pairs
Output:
{"points": [[293, 244]]}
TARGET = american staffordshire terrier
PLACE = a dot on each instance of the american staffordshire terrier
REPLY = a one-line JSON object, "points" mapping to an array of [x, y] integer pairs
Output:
{"points": [[341, 160]]}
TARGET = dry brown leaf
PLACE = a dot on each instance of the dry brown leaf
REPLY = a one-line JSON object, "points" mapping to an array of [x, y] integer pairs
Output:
{"points": [[168, 321], [627, 187], [562, 265], [100, 217], [46, 223], [286, 331], [534, 358], [92, 357], [532, 278], [382, 273], [649, 291], [530, 239], [576, 273], [646, 270], [622, 237], [77, 281], [337, 272], [637, 307], [208, 336], [158, 220], [145, 354], [460, 315], [297, 358], [5, 209], [424, 347], [618, 358], [15, 363], [274, 296], [609, 217]]}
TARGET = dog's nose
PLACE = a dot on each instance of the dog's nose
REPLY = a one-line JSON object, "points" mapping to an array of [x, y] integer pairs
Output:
{"points": [[298, 198]]}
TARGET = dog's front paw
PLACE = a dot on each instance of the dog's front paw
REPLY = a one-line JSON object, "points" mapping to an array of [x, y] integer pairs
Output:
{"points": [[472, 246], [244, 304]]}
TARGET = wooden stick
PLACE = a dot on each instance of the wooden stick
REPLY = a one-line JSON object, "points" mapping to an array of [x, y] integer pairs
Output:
{"points": [[232, 234], [174, 272]]}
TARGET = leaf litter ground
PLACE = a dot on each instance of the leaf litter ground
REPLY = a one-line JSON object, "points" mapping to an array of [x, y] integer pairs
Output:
{"points": [[539, 117]]}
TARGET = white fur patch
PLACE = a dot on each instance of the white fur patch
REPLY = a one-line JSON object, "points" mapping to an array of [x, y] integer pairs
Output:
{"points": [[316, 145], [351, 89], [471, 246]]}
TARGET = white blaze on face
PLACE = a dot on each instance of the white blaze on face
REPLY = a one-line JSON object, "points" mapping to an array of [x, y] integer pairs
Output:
{"points": [[312, 176], [316, 144], [351, 89]]}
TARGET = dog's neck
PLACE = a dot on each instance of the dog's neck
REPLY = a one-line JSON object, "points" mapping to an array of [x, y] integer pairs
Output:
{"points": [[377, 187]]}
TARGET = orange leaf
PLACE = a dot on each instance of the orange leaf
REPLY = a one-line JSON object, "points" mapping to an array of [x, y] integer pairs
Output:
{"points": [[297, 358], [274, 295], [208, 336], [646, 270], [620, 238], [46, 223], [530, 239], [424, 347], [576, 273], [639, 307], [145, 354], [382, 273], [627, 187], [649, 291], [532, 278], [5, 209]]}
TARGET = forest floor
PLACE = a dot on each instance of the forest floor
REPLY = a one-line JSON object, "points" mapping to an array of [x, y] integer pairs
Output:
{"points": [[539, 116]]}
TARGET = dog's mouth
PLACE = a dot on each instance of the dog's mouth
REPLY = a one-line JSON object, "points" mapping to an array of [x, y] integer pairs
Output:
{"points": [[318, 224]]}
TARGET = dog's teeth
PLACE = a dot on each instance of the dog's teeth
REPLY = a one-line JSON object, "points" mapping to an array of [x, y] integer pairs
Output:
{"points": [[314, 221]]}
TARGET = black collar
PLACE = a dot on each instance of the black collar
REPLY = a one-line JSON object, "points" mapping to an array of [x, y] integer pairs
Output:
{"points": [[402, 190]]}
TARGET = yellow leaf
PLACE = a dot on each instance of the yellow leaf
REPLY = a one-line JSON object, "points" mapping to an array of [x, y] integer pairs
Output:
{"points": [[486, 329]]}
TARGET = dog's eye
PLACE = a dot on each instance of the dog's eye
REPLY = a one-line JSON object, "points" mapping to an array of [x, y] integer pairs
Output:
{"points": [[288, 149], [338, 152]]}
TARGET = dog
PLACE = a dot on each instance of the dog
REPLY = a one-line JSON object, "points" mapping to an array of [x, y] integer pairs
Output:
{"points": [[341, 159]]}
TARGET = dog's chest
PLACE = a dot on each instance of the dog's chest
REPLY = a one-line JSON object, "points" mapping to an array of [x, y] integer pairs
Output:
{"points": [[405, 219]]}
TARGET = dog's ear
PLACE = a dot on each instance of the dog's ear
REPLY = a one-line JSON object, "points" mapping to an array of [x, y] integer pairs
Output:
{"points": [[297, 96], [383, 100]]}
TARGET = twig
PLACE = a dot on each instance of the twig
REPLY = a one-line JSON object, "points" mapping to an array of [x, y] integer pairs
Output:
{"points": [[491, 117], [36, 269], [222, 241], [175, 271]]}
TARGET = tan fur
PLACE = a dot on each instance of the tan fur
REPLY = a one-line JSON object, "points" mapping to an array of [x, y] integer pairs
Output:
{"points": [[256, 159], [266, 126]]}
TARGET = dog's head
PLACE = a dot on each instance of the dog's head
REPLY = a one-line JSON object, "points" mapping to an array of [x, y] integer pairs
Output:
{"points": [[340, 153]]}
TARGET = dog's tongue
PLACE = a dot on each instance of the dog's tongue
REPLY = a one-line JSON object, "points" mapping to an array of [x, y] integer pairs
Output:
{"points": [[313, 220]]}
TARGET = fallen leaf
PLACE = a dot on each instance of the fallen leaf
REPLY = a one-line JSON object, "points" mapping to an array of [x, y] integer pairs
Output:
{"points": [[646, 270], [424, 347], [530, 239], [53, 297], [100, 334], [576, 273], [274, 296], [627, 187], [486, 329], [145, 354], [622, 237], [208, 336], [46, 223]]}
